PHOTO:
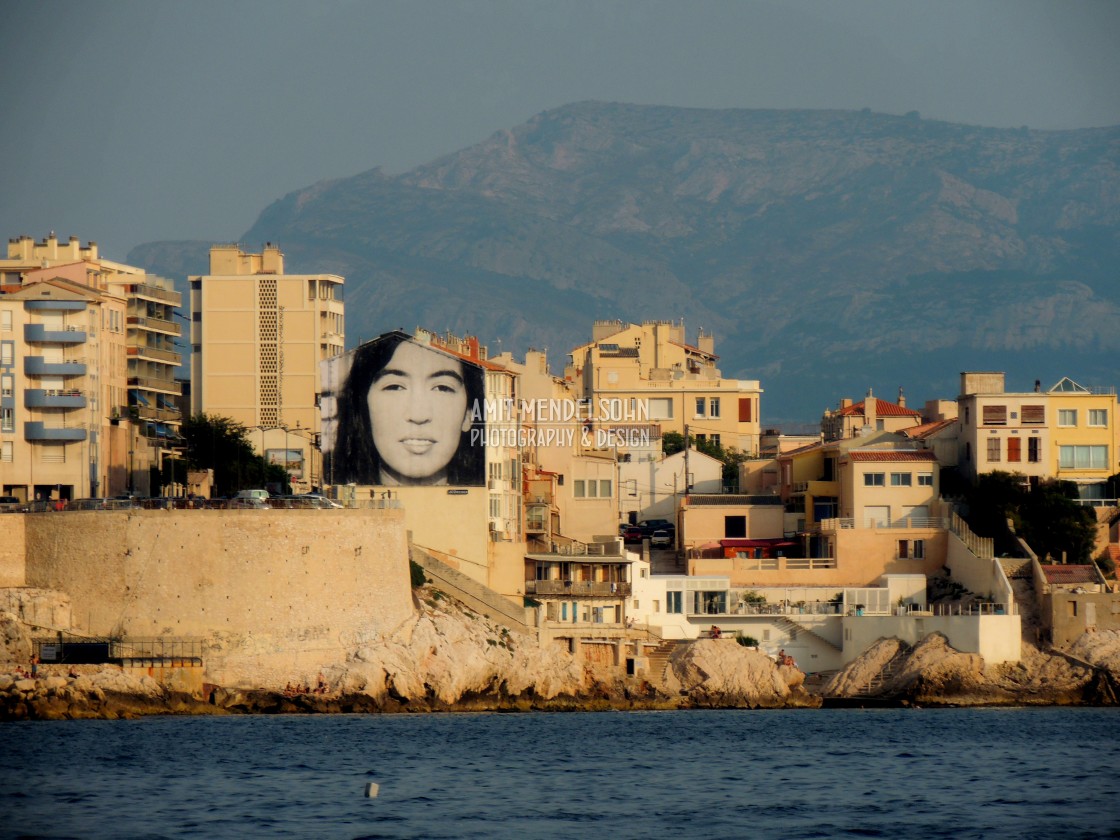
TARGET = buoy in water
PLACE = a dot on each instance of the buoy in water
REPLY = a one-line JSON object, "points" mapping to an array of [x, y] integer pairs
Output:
{"points": [[371, 790]]}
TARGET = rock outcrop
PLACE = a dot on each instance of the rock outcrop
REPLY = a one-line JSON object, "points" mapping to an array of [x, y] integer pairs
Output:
{"points": [[934, 674], [720, 673]]}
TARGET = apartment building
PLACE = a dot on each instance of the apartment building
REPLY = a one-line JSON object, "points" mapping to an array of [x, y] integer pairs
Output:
{"points": [[99, 349], [650, 373], [257, 338], [870, 414], [1067, 431]]}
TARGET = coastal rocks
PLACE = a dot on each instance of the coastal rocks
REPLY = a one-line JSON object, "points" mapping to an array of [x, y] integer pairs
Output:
{"points": [[447, 654], [15, 640], [720, 673], [101, 691], [934, 674]]}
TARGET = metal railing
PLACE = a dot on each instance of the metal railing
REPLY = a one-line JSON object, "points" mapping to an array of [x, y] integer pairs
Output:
{"points": [[576, 587], [970, 609], [848, 523]]}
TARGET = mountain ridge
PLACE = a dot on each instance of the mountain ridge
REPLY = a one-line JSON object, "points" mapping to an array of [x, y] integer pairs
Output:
{"points": [[829, 251]]}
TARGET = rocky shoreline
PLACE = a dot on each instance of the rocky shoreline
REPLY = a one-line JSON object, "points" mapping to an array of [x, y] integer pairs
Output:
{"points": [[448, 659]]}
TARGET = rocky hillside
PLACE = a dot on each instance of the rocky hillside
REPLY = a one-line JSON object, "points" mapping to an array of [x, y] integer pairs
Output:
{"points": [[827, 250]]}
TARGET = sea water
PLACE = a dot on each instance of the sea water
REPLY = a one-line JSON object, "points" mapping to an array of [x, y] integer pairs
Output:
{"points": [[947, 773]]}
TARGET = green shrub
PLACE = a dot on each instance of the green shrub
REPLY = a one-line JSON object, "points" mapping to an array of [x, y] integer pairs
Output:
{"points": [[747, 641], [416, 572]]}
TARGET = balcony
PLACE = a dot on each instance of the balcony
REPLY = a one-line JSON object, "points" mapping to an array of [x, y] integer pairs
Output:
{"points": [[146, 290], [576, 587], [38, 431], [166, 386], [39, 334], [38, 366], [43, 398], [155, 354], [154, 324]]}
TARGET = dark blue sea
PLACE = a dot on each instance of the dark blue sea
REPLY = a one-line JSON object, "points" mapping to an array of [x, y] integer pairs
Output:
{"points": [[1015, 773]]}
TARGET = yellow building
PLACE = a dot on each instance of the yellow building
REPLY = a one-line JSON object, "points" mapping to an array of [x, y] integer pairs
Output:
{"points": [[257, 337], [868, 415], [1068, 432], [128, 353], [648, 373]]}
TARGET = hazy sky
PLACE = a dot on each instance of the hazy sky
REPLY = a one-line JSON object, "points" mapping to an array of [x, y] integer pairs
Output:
{"points": [[139, 120]]}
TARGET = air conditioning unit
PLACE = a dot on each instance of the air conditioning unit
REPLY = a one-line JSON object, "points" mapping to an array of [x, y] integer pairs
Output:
{"points": [[495, 524]]}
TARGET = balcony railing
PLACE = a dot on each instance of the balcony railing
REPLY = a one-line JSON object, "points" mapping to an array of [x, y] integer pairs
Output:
{"points": [[848, 523], [167, 386], [39, 366], [39, 334], [157, 324], [576, 587], [53, 398], [39, 431], [145, 290], [156, 354]]}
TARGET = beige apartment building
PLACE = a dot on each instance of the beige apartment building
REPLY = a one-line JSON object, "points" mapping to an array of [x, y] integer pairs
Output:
{"points": [[257, 338], [96, 387], [1067, 431], [648, 373]]}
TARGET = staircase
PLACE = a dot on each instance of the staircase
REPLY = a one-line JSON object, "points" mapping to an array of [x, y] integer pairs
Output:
{"points": [[877, 681], [792, 627], [659, 658], [1016, 568]]}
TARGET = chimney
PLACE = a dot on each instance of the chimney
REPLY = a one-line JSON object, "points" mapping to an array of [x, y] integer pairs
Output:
{"points": [[870, 409], [845, 402], [901, 398]]}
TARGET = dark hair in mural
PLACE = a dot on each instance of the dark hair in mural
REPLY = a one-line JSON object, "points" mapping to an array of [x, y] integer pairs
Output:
{"points": [[356, 459]]}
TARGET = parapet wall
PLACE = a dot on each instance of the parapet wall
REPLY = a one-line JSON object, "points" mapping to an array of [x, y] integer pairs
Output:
{"points": [[272, 593]]}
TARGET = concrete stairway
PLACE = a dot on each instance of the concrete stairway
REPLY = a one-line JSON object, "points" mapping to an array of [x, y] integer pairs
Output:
{"points": [[878, 680], [659, 658], [792, 627]]}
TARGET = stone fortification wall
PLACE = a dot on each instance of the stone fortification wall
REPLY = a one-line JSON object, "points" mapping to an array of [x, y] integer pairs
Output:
{"points": [[272, 594], [12, 549]]}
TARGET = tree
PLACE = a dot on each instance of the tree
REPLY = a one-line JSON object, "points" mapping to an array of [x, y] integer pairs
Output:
{"points": [[222, 444], [672, 443]]}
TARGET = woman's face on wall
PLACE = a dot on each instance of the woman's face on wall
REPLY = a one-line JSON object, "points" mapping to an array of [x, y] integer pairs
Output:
{"points": [[418, 410]]}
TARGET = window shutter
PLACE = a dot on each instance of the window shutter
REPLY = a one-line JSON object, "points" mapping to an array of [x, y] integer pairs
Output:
{"points": [[744, 409]]}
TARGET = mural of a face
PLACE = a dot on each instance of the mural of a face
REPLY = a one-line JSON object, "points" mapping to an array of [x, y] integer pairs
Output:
{"points": [[418, 410]]}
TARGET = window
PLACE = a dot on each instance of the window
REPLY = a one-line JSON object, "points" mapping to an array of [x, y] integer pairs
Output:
{"points": [[1034, 450], [1083, 457], [7, 420], [901, 479], [713, 407], [1013, 445], [1067, 416], [604, 488], [578, 488], [993, 449], [661, 408], [1098, 417], [734, 527], [7, 353], [874, 479], [925, 479], [6, 320], [495, 506], [715, 440], [674, 602], [7, 385], [6, 451], [911, 549], [995, 415], [701, 404], [1033, 415], [745, 412]]}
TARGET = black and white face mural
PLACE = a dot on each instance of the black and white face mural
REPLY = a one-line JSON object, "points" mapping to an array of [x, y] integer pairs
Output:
{"points": [[399, 412]]}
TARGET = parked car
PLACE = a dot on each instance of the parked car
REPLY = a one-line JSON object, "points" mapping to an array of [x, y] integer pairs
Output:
{"points": [[651, 525], [320, 501], [9, 504], [631, 534], [660, 539]]}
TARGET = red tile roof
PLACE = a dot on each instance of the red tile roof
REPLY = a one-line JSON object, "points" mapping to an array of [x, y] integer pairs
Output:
{"points": [[926, 430], [891, 455], [882, 409], [1068, 574]]}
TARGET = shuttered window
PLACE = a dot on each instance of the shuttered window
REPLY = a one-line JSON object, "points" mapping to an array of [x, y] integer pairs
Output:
{"points": [[1013, 449], [1033, 415], [995, 415], [744, 409]]}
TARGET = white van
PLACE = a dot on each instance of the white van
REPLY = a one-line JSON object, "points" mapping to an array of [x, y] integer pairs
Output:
{"points": [[250, 498]]}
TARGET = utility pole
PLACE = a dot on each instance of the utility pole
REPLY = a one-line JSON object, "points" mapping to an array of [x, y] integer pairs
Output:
{"points": [[686, 484]]}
